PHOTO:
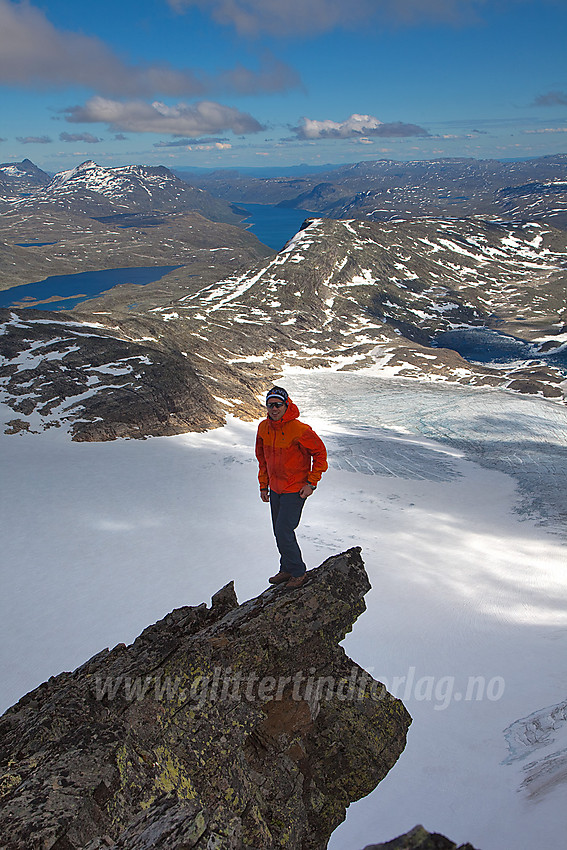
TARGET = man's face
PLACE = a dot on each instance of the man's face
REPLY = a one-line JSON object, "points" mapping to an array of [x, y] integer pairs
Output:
{"points": [[276, 409]]}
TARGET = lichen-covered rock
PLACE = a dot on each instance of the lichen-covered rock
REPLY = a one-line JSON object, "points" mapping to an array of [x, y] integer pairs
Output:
{"points": [[234, 726]]}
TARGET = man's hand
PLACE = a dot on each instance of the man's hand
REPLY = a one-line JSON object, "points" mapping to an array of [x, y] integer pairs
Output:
{"points": [[265, 495], [306, 491]]}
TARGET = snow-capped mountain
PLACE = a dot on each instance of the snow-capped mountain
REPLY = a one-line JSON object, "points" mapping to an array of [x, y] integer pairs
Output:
{"points": [[17, 179], [91, 190], [341, 294]]}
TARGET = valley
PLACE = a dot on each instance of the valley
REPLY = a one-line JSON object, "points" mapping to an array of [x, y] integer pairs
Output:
{"points": [[185, 351], [382, 190]]}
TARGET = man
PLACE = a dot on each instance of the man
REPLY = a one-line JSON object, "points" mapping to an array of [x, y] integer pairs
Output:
{"points": [[292, 459]]}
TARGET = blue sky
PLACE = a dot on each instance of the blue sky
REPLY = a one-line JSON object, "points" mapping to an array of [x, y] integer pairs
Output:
{"points": [[227, 83]]}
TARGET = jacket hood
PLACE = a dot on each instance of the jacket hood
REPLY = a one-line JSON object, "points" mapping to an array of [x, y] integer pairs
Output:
{"points": [[292, 411]]}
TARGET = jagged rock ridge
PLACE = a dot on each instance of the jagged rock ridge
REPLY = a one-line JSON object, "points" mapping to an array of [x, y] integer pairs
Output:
{"points": [[230, 727]]}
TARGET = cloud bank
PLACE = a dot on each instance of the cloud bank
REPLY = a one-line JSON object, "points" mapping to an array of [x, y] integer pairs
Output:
{"points": [[545, 130], [138, 116], [551, 98], [34, 140], [35, 54], [79, 137], [355, 127], [183, 143], [311, 17]]}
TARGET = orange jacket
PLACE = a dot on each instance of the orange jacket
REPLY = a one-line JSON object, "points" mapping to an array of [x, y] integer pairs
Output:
{"points": [[289, 452]]}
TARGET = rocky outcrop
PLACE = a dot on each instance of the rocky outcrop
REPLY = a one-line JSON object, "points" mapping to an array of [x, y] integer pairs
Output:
{"points": [[234, 726], [419, 838]]}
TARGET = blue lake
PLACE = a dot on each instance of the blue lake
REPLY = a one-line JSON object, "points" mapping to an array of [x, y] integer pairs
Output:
{"points": [[62, 292], [34, 244], [483, 345], [274, 226]]}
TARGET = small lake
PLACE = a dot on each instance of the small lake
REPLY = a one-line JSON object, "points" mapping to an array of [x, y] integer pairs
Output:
{"points": [[489, 347], [34, 244], [63, 292], [273, 225]]}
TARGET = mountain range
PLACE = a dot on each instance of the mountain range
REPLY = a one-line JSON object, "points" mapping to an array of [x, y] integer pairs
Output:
{"points": [[200, 342], [381, 190]]}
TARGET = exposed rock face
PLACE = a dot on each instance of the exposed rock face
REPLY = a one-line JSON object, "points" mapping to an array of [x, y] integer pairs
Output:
{"points": [[105, 383], [419, 839], [230, 727]]}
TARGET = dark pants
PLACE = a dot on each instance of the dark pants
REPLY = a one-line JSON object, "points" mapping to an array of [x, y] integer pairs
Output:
{"points": [[286, 513]]}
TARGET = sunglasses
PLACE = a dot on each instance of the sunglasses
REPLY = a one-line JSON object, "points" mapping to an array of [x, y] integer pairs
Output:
{"points": [[273, 404]]}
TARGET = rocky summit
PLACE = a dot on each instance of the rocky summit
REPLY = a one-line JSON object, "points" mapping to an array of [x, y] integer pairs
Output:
{"points": [[229, 726], [419, 838]]}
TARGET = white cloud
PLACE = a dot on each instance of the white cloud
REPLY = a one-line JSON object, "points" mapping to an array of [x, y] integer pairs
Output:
{"points": [[355, 127], [218, 146], [138, 116], [34, 53], [187, 143]]}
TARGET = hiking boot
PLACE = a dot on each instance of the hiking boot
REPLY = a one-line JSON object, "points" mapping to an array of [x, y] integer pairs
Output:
{"points": [[280, 577], [296, 581]]}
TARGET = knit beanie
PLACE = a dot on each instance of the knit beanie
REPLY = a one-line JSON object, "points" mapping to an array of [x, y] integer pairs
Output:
{"points": [[277, 393]]}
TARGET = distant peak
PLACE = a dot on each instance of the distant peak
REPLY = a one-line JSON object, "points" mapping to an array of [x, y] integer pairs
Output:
{"points": [[65, 176]]}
